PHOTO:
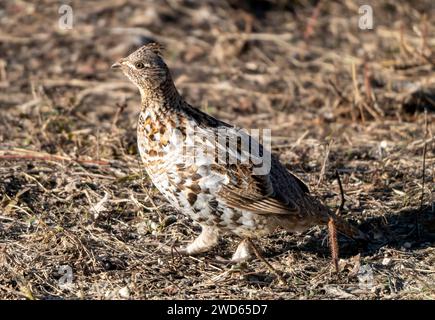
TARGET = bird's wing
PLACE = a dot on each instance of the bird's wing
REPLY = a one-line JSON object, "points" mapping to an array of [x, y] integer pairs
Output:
{"points": [[253, 193], [245, 189]]}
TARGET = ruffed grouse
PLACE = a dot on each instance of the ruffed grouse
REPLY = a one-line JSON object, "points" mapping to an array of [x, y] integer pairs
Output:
{"points": [[188, 158]]}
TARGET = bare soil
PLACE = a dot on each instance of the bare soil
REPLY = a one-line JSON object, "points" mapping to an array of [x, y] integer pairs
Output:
{"points": [[75, 198]]}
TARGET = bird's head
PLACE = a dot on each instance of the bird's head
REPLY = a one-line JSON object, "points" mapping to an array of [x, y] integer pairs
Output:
{"points": [[145, 67]]}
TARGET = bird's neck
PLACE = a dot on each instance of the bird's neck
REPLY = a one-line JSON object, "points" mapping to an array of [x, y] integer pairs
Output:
{"points": [[164, 99]]}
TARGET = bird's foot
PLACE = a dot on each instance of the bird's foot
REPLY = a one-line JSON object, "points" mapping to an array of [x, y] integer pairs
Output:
{"points": [[204, 242], [179, 250], [244, 252]]}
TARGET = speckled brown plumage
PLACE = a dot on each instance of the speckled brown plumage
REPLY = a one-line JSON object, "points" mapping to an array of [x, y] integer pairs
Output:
{"points": [[222, 197]]}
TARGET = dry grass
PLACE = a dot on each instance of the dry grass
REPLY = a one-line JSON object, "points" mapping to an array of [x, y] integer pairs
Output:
{"points": [[72, 190]]}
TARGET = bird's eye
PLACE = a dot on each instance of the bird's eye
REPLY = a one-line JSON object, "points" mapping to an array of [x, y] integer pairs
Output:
{"points": [[139, 65]]}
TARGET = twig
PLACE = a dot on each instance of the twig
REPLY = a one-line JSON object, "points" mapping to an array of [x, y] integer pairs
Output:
{"points": [[357, 95], [417, 213], [119, 111], [333, 243], [325, 161], [332, 229], [165, 39], [337, 175], [280, 39], [226, 86], [367, 85], [269, 266], [337, 91], [48, 157], [102, 89], [312, 21]]}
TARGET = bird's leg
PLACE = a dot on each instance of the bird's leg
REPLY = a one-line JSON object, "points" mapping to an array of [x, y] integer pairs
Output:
{"points": [[244, 252], [206, 240]]}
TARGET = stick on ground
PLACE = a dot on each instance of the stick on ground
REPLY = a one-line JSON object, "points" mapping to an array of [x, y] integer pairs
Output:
{"points": [[269, 266], [417, 213], [332, 230]]}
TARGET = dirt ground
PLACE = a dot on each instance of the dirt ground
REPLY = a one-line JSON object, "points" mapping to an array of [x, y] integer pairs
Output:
{"points": [[80, 219]]}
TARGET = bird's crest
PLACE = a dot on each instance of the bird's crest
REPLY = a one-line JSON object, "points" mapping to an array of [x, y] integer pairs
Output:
{"points": [[154, 47]]}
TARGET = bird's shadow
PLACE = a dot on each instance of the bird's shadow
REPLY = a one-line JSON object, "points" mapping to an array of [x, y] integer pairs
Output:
{"points": [[409, 229], [396, 230]]}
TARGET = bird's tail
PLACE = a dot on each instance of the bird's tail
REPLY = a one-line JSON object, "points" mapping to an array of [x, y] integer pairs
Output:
{"points": [[348, 229], [324, 214]]}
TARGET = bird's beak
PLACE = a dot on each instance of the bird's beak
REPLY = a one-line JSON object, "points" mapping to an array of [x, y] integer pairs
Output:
{"points": [[117, 64]]}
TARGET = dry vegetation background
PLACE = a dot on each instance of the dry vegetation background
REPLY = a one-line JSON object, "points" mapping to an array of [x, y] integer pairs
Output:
{"points": [[73, 192]]}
